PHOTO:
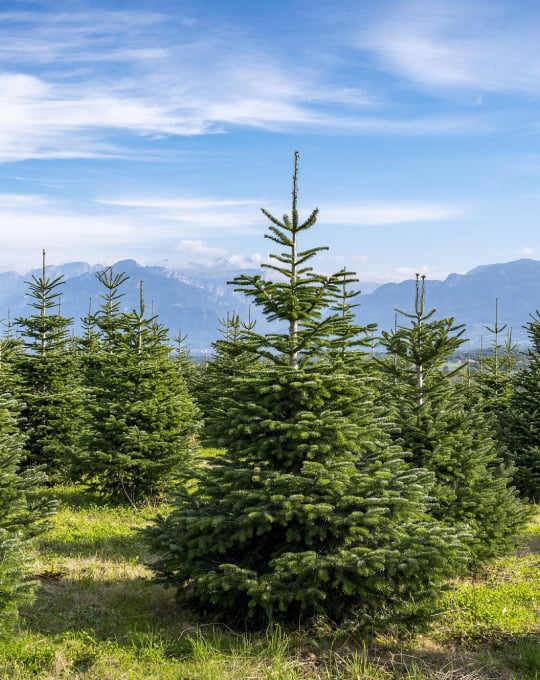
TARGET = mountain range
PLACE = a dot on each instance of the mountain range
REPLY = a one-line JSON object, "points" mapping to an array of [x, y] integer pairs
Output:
{"points": [[192, 302]]}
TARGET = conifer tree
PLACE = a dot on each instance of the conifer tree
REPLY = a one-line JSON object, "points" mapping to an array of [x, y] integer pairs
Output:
{"points": [[141, 418], [23, 513], [435, 422], [50, 388], [496, 368], [191, 372], [520, 424], [310, 509], [229, 358]]}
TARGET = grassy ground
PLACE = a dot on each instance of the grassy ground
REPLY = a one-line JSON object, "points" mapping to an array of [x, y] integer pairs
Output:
{"points": [[98, 616]]}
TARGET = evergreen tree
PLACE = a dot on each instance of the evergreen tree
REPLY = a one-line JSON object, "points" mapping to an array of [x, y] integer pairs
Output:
{"points": [[191, 372], [50, 388], [496, 368], [310, 509], [229, 358], [23, 513], [520, 423], [435, 422], [141, 418]]}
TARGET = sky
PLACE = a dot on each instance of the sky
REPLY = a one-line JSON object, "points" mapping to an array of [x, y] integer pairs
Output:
{"points": [[157, 130]]}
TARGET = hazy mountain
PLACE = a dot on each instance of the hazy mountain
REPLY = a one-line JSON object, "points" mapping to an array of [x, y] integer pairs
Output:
{"points": [[470, 298], [193, 301], [191, 304]]}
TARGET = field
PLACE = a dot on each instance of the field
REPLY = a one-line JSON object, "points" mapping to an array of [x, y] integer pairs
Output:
{"points": [[97, 615]]}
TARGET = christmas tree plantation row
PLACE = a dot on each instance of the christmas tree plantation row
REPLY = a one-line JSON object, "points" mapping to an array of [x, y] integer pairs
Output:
{"points": [[349, 484]]}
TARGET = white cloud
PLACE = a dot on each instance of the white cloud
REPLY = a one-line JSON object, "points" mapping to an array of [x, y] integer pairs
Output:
{"points": [[30, 223], [61, 95], [247, 261], [41, 229], [526, 251], [176, 203], [486, 47], [196, 248], [22, 201], [194, 213], [218, 259], [403, 273], [374, 214]]}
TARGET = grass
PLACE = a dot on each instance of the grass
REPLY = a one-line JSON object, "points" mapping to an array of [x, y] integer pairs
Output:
{"points": [[97, 615]]}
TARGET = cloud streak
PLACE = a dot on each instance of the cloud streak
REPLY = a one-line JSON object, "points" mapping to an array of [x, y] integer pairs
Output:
{"points": [[485, 47], [70, 83], [387, 213], [145, 227]]}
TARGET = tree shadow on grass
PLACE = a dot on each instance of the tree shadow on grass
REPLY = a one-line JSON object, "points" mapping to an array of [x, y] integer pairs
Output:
{"points": [[104, 609], [487, 660], [530, 545]]}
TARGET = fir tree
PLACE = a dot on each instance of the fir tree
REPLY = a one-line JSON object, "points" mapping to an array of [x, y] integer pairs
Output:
{"points": [[435, 422], [229, 358], [191, 372], [23, 513], [49, 378], [141, 418], [496, 368], [310, 509], [520, 423]]}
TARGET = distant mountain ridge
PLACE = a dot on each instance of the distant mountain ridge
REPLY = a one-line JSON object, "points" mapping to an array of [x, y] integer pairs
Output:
{"points": [[193, 301], [187, 304], [470, 298]]}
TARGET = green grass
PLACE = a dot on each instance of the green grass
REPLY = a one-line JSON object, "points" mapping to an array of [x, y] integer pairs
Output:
{"points": [[97, 615]]}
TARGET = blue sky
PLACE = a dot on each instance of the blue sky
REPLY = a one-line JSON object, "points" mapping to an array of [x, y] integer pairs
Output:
{"points": [[157, 130]]}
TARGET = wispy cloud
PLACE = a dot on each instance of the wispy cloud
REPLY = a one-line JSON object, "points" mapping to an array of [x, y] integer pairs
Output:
{"points": [[484, 47], [375, 214], [141, 229], [197, 248], [192, 213], [70, 83], [403, 273], [22, 201]]}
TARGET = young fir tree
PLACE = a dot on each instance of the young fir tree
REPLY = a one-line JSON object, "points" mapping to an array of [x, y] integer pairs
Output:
{"points": [[23, 513], [310, 509], [229, 358], [50, 389], [520, 424], [191, 372], [443, 432], [496, 367], [141, 418]]}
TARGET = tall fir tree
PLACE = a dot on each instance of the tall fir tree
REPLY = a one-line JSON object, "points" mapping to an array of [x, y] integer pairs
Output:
{"points": [[520, 423], [50, 388], [436, 423], [141, 419], [310, 509], [23, 512]]}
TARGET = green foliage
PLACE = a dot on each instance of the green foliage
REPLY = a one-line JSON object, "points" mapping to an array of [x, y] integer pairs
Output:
{"points": [[521, 421], [435, 422], [23, 514], [296, 518], [310, 509], [48, 379], [98, 615], [141, 419], [229, 358], [494, 376]]}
